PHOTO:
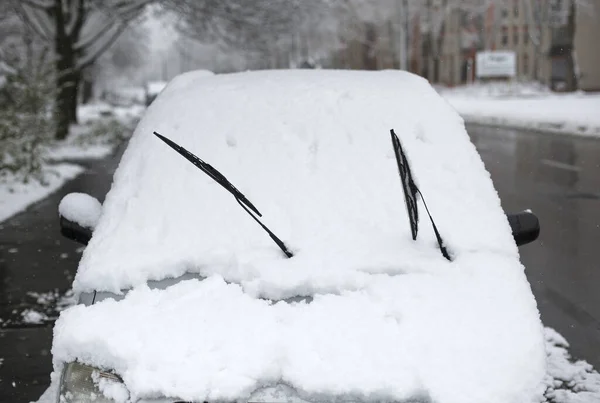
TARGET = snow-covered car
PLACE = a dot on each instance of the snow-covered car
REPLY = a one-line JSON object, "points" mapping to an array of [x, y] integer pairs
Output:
{"points": [[258, 244]]}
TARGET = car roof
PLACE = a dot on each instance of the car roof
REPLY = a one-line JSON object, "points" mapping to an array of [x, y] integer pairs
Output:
{"points": [[312, 151]]}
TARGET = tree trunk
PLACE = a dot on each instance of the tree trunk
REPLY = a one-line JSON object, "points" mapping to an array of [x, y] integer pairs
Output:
{"points": [[74, 97], [67, 75], [67, 84], [87, 90], [369, 59], [571, 78]]}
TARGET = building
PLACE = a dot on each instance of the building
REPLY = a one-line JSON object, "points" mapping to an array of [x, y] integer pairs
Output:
{"points": [[445, 41], [587, 34], [462, 34]]}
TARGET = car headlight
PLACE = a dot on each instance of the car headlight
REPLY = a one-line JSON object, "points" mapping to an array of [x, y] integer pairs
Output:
{"points": [[82, 384]]}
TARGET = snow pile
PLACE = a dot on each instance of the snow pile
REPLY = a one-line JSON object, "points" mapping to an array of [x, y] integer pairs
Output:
{"points": [[527, 108], [497, 90], [390, 318], [80, 208], [33, 317], [568, 382]]}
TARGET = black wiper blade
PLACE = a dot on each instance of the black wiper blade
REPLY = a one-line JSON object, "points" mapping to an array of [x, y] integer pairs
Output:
{"points": [[221, 180], [210, 171], [410, 195], [408, 185]]}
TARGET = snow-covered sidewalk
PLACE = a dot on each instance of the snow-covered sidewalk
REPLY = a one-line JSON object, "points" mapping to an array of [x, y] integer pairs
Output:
{"points": [[527, 107], [94, 138]]}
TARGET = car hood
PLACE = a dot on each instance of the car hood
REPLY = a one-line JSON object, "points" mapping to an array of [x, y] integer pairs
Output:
{"points": [[202, 340]]}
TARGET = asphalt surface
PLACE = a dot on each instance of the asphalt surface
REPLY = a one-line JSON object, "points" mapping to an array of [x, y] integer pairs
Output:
{"points": [[558, 177]]}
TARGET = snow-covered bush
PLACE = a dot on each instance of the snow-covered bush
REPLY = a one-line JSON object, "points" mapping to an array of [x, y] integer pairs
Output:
{"points": [[26, 122]]}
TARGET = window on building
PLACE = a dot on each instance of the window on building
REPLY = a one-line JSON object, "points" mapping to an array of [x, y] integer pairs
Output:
{"points": [[504, 12], [504, 36], [516, 9], [515, 35], [525, 64], [526, 35]]}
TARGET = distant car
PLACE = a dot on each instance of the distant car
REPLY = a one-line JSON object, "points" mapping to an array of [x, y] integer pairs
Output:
{"points": [[266, 239], [152, 89]]}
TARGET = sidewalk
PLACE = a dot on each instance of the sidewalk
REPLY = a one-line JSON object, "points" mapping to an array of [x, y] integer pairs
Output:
{"points": [[527, 106]]}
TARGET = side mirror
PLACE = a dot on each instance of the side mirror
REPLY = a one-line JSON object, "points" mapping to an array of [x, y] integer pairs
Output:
{"points": [[79, 214], [525, 227]]}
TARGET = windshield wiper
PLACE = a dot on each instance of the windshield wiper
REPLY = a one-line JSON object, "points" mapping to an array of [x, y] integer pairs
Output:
{"points": [[410, 195], [221, 180]]}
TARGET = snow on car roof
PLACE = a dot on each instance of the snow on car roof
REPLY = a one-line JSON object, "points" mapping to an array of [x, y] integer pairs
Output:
{"points": [[390, 318]]}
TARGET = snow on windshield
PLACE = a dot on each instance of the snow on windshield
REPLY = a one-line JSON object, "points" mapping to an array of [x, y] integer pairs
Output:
{"points": [[312, 151], [391, 318]]}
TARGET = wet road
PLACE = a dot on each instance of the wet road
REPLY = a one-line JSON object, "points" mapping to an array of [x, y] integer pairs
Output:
{"points": [[556, 176]]}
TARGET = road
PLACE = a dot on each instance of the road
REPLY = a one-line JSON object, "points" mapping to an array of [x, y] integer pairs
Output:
{"points": [[556, 176]]}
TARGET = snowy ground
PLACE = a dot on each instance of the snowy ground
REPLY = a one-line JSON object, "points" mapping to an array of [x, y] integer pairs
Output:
{"points": [[568, 381], [16, 196], [95, 137], [527, 106]]}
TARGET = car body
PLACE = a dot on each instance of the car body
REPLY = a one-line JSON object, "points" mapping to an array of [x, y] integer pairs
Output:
{"points": [[185, 298]]}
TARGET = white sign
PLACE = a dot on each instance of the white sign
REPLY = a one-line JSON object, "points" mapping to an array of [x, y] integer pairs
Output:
{"points": [[496, 64]]}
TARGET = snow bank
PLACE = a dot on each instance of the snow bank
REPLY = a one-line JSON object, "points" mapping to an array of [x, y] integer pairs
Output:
{"points": [[391, 319], [16, 197], [568, 382], [528, 109], [33, 317], [80, 208]]}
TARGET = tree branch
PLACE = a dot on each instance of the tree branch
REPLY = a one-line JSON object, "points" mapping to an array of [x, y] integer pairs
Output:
{"points": [[78, 15], [33, 23], [37, 4], [122, 13], [89, 60], [87, 42]]}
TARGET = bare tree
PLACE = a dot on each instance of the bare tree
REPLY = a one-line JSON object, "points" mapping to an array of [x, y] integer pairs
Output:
{"points": [[79, 31], [233, 23], [265, 30]]}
